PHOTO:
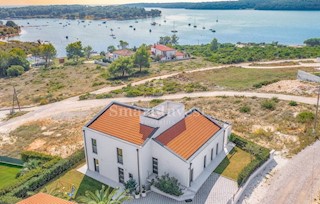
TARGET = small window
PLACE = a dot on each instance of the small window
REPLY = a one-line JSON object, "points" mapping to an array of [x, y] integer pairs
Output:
{"points": [[96, 165], [217, 149], [211, 154], [94, 146], [205, 161], [130, 176], [121, 175], [155, 166], [119, 156]]}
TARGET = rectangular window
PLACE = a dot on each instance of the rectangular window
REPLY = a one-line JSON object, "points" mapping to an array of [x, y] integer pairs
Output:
{"points": [[155, 165], [211, 154], [96, 165], [121, 175], [119, 156], [94, 146], [191, 175], [217, 149], [205, 161], [130, 176]]}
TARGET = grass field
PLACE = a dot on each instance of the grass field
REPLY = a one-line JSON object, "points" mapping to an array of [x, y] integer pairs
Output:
{"points": [[236, 78], [7, 173], [81, 182], [233, 164]]}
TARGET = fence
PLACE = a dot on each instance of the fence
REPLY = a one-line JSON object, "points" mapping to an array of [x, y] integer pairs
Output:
{"points": [[12, 161], [235, 198], [305, 76]]}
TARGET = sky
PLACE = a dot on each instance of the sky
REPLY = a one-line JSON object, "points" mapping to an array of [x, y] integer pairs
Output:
{"points": [[50, 2]]}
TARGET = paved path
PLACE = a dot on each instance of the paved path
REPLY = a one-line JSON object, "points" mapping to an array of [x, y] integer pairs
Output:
{"points": [[216, 190]]}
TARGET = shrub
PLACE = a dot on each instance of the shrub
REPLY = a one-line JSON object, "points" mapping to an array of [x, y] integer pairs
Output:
{"points": [[28, 155], [268, 104], [15, 70], [85, 96], [305, 117], [102, 96], [156, 101], [8, 199], [133, 93], [293, 103], [168, 185], [264, 83], [130, 185], [275, 99], [245, 109]]}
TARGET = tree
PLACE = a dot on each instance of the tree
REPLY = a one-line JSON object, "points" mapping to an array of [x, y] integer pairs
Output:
{"points": [[4, 63], [19, 52], [87, 51], [142, 57], [123, 44], [214, 45], [74, 50], [165, 40], [174, 39], [15, 70], [104, 196], [121, 66], [47, 52], [111, 48], [11, 24], [312, 42]]}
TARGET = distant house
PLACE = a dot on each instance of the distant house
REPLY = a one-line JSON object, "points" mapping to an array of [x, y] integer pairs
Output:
{"points": [[43, 198], [166, 53], [119, 53], [127, 142]]}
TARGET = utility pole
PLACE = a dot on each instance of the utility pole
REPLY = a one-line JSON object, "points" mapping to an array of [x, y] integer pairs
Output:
{"points": [[316, 116], [15, 98]]}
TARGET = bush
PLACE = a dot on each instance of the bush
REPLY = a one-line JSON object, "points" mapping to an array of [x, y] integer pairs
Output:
{"points": [[268, 104], [9, 199], [133, 93], [130, 185], [85, 96], [264, 83], [28, 155], [245, 109], [15, 70], [305, 117], [168, 185], [261, 155], [102, 96], [293, 103]]}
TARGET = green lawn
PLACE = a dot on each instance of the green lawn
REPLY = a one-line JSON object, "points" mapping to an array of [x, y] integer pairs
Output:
{"points": [[73, 177], [7, 174], [232, 165]]}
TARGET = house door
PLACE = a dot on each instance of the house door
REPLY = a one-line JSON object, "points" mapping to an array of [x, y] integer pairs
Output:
{"points": [[96, 165]]}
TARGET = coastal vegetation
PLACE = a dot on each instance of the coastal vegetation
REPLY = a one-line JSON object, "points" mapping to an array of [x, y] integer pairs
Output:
{"points": [[241, 4], [227, 53], [13, 63], [78, 12], [9, 29]]}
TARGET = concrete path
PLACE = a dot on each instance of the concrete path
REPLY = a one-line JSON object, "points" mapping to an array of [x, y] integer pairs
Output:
{"points": [[216, 190]]}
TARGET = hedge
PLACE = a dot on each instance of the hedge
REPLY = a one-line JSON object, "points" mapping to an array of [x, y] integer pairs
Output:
{"points": [[259, 160], [9, 199], [27, 155], [48, 174]]}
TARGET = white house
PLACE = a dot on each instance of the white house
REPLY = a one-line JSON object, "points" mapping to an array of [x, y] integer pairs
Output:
{"points": [[119, 53], [166, 53], [124, 141]]}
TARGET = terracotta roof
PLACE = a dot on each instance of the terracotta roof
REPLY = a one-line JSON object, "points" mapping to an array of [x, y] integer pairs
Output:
{"points": [[122, 122], [189, 134], [179, 54], [125, 53], [163, 47], [43, 198]]}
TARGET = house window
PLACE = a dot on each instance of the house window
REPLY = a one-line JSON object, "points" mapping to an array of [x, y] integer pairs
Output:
{"points": [[94, 146], [205, 161], [211, 154], [217, 149], [155, 165], [121, 175], [96, 165], [119, 156], [191, 175], [130, 176]]}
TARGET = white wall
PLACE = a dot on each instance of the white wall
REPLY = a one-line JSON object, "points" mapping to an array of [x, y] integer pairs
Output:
{"points": [[107, 155], [170, 163], [198, 160]]}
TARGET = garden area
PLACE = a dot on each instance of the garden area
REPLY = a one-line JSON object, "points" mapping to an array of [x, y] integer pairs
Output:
{"points": [[8, 173]]}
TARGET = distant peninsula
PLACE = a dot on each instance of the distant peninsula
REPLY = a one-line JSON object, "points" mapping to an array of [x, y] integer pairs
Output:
{"points": [[78, 12], [241, 4]]}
